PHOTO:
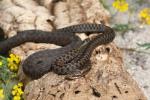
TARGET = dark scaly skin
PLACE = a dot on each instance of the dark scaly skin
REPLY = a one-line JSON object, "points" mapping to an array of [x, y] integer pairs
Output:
{"points": [[69, 59], [77, 64], [38, 36]]}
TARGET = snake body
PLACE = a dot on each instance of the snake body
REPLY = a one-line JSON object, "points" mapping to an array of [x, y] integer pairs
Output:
{"points": [[70, 59]]}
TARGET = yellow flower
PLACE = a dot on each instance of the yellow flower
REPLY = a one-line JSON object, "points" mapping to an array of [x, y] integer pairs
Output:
{"points": [[16, 98], [17, 91], [1, 94], [1, 63], [13, 62], [120, 5], [145, 15], [20, 84], [14, 92], [15, 87]]}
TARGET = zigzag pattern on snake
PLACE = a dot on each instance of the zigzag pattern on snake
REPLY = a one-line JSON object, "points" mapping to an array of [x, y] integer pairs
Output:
{"points": [[68, 60]]}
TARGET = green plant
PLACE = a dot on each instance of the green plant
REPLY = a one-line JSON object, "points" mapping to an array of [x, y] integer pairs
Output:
{"points": [[8, 77], [144, 45]]}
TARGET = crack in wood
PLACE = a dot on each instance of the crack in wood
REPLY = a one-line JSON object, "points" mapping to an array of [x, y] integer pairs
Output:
{"points": [[95, 92], [117, 87]]}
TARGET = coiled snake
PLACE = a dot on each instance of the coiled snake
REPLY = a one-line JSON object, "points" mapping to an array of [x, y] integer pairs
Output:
{"points": [[68, 60]]}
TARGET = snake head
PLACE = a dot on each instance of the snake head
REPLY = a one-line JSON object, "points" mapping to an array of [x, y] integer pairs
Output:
{"points": [[37, 64]]}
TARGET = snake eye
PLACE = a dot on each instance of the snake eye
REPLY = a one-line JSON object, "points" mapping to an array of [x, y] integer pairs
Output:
{"points": [[39, 62]]}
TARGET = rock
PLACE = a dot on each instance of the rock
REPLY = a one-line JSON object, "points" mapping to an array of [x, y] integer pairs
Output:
{"points": [[136, 58]]}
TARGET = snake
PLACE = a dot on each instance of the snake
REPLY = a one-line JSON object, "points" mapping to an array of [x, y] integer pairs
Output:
{"points": [[70, 59]]}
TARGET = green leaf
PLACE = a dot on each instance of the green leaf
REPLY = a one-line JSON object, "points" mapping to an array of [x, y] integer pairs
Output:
{"points": [[145, 45], [122, 27], [7, 89]]}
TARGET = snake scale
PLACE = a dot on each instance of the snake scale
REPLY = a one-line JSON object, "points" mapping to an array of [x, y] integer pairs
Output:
{"points": [[71, 59]]}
